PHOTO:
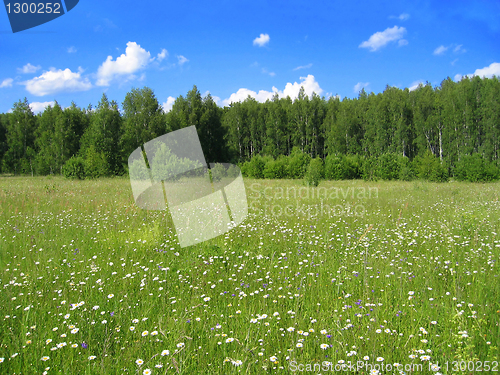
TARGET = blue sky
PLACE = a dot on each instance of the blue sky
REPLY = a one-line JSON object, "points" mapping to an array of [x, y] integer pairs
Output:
{"points": [[236, 48]]}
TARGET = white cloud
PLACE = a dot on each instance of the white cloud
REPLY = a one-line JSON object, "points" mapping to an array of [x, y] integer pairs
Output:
{"points": [[7, 82], [492, 70], [216, 99], [134, 59], [262, 40], [440, 50], [303, 67], [163, 54], [459, 49], [167, 106], [28, 68], [487, 72], [415, 85], [265, 71], [181, 60], [40, 106], [291, 89], [402, 42], [382, 38], [55, 81], [401, 17], [71, 49], [358, 86]]}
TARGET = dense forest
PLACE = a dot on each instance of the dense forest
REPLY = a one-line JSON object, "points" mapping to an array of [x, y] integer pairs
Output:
{"points": [[429, 132]]}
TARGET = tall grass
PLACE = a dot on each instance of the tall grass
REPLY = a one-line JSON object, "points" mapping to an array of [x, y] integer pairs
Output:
{"points": [[367, 273]]}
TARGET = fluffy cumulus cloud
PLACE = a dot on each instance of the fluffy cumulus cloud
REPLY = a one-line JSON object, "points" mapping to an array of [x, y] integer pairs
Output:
{"points": [[489, 71], [415, 85], [359, 86], [7, 82], [167, 106], [162, 55], [291, 89], [54, 81], [37, 107], [134, 59], [28, 68], [262, 40], [382, 38], [492, 70]]}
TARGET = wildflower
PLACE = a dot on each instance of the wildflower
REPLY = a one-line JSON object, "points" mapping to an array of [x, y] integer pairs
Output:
{"points": [[229, 339], [180, 345], [380, 359], [74, 345], [45, 358], [111, 295], [145, 333], [135, 321], [139, 362], [92, 357], [299, 345], [237, 362], [154, 333], [324, 346], [366, 358], [132, 328], [75, 330], [146, 372], [434, 367], [165, 352], [273, 359]]}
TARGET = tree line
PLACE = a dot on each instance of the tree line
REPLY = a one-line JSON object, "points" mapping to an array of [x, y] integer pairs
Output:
{"points": [[447, 125]]}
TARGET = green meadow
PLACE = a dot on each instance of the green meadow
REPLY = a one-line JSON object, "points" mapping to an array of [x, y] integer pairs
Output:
{"points": [[362, 277]]}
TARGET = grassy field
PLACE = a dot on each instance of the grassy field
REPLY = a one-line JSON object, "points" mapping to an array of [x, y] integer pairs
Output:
{"points": [[385, 277]]}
